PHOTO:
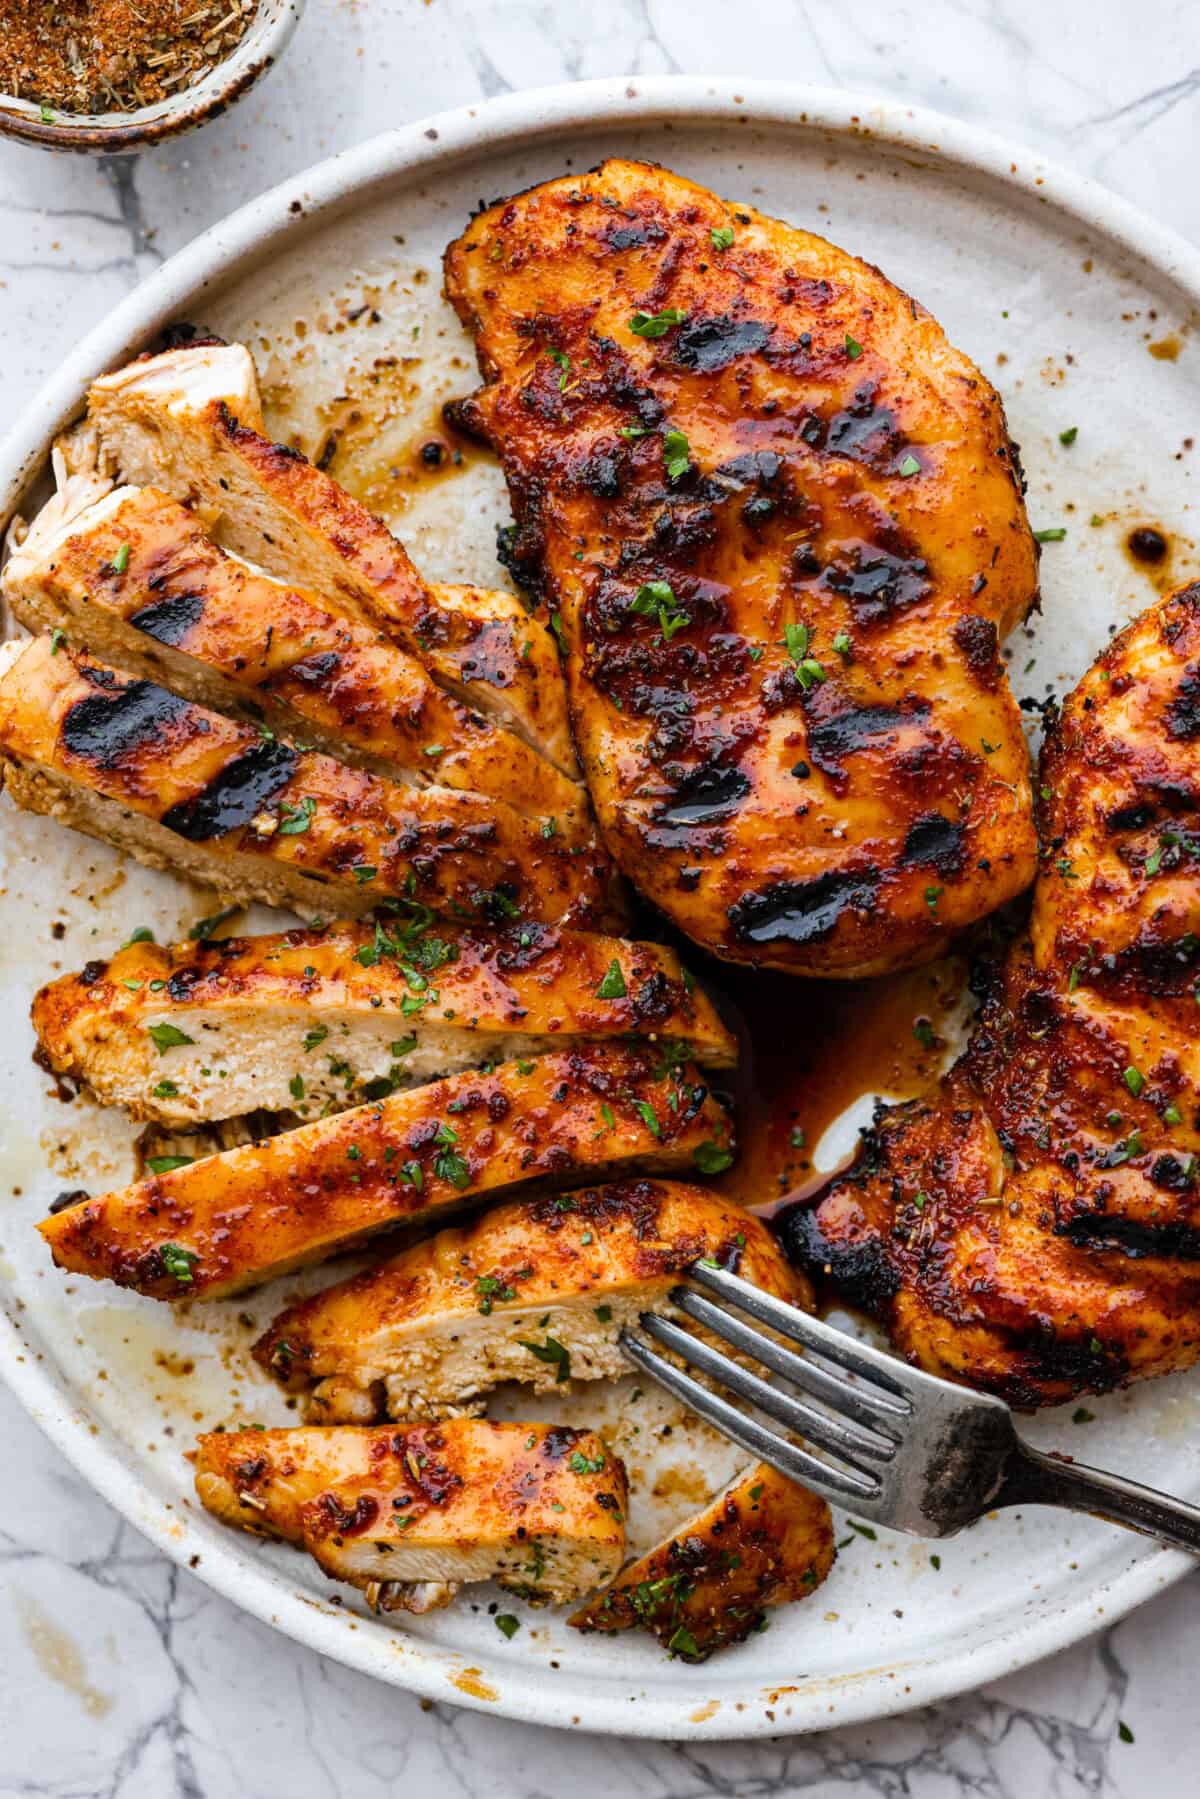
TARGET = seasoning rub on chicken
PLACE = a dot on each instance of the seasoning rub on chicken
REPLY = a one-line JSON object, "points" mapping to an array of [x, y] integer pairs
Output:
{"points": [[132, 578], [1034, 1228], [231, 1220], [411, 1513], [190, 421], [181, 787], [779, 520], [308, 1020], [762, 1542], [536, 1291]]}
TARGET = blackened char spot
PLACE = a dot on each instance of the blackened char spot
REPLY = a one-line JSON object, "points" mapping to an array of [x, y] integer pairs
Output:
{"points": [[861, 1271], [635, 237], [1183, 713], [1133, 817], [706, 794], [803, 911], [753, 468], [169, 621], [315, 671], [235, 795], [832, 739], [1133, 1238], [707, 345], [106, 727], [557, 1441], [979, 642], [876, 582], [935, 841], [863, 431]]}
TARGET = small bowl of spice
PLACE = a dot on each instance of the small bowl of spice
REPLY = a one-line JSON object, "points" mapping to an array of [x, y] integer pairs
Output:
{"points": [[109, 75]]}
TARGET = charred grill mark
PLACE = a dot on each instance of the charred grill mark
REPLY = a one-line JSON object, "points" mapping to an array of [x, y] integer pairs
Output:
{"points": [[840, 734], [705, 795], [937, 842], [1183, 712], [107, 727], [862, 1271], [1132, 1237], [802, 912], [979, 641], [316, 671], [236, 794], [876, 582], [710, 344], [863, 432], [1133, 817], [169, 621]]}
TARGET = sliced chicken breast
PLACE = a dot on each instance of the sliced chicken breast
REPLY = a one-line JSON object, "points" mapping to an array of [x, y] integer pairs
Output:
{"points": [[308, 1020], [537, 1291], [186, 421], [412, 1512], [763, 1542], [133, 578], [237, 1218], [181, 787]]}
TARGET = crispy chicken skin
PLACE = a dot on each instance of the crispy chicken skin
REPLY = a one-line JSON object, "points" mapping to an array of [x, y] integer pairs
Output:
{"points": [[190, 420], [304, 1020], [782, 526], [133, 578], [182, 787], [764, 1541], [1034, 1229], [230, 1220], [434, 1329], [412, 1512]]}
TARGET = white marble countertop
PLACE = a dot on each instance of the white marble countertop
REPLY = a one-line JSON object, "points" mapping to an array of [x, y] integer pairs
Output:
{"points": [[126, 1677]]}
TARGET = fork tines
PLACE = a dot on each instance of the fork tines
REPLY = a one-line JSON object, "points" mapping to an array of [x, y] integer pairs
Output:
{"points": [[867, 1409]]}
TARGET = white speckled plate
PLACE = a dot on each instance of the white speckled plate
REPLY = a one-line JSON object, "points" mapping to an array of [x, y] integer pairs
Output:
{"points": [[1082, 312]]}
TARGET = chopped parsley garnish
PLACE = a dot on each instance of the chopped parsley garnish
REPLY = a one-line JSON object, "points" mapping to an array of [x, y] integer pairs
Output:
{"points": [[203, 928], [633, 432], [164, 1164], [1068, 436], [316, 1035], [606, 1112], [655, 324], [488, 1289], [143, 934], [553, 1353], [121, 560], [1054, 534], [711, 1158], [923, 1032], [657, 599], [549, 827], [676, 454], [296, 819], [414, 1175], [448, 1165], [932, 896], [843, 645], [363, 872], [1081, 1415], [864, 1530], [57, 638], [721, 237], [564, 368], [853, 349], [507, 1625], [1134, 1079], [910, 466], [613, 985], [809, 671], [1123, 1731], [296, 1086], [683, 1642], [603, 1314], [177, 1262], [167, 1036], [649, 1117], [579, 1463], [404, 1046], [165, 1090]]}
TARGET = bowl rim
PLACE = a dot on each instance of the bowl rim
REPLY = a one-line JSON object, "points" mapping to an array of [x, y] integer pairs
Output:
{"points": [[251, 232], [260, 47]]}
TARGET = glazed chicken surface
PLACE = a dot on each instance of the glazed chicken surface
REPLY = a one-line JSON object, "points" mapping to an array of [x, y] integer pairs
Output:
{"points": [[1034, 1228], [778, 521]]}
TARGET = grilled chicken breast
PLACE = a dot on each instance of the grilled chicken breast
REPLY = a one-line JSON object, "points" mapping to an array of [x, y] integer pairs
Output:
{"points": [[231, 1220], [412, 1512], [762, 1542], [1034, 1228], [182, 787], [305, 1021], [537, 1291], [133, 578], [190, 421], [780, 519]]}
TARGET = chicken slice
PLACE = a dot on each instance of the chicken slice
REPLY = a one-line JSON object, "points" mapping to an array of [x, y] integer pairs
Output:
{"points": [[764, 1541], [231, 1220], [186, 421], [133, 578], [537, 1291], [181, 787], [308, 1020], [412, 1512], [779, 520]]}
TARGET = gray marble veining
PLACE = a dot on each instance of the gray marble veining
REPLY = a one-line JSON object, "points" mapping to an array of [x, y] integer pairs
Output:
{"points": [[125, 1677]]}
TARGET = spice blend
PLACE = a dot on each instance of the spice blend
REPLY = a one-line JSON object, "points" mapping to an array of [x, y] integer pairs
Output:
{"points": [[92, 56]]}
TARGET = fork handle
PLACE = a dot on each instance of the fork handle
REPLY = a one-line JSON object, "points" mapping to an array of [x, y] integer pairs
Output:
{"points": [[1031, 1478]]}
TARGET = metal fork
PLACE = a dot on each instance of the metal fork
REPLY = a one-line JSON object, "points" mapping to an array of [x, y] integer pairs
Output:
{"points": [[898, 1446]]}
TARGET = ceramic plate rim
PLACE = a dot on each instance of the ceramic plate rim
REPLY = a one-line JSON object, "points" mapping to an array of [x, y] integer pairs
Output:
{"points": [[411, 151]]}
